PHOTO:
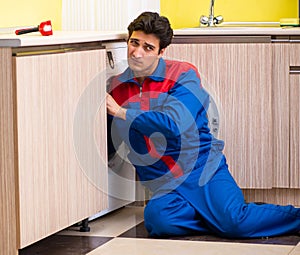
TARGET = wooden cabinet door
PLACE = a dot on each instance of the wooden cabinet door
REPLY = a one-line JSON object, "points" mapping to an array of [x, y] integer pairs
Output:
{"points": [[286, 104], [295, 128], [294, 115], [281, 116], [56, 98], [238, 76]]}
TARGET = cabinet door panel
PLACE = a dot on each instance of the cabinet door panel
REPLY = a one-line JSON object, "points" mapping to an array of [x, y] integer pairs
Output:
{"points": [[281, 122], [239, 78], [295, 130], [294, 116], [54, 189]]}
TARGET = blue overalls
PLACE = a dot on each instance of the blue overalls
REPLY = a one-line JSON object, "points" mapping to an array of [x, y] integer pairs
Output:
{"points": [[177, 158]]}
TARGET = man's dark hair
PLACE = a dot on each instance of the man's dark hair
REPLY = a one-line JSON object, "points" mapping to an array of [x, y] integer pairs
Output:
{"points": [[153, 23]]}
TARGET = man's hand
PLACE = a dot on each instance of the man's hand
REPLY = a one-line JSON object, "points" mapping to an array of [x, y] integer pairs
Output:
{"points": [[113, 108]]}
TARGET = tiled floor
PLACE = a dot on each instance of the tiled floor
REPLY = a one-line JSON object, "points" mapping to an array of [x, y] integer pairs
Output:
{"points": [[122, 232]]}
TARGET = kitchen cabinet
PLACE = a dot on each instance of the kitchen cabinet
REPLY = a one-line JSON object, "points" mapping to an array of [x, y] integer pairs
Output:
{"points": [[286, 120], [254, 81], [238, 77], [53, 155]]}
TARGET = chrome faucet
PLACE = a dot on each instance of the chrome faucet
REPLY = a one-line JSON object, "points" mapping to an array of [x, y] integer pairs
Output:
{"points": [[211, 21]]}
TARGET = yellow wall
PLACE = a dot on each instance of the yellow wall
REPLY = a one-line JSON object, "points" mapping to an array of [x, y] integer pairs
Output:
{"points": [[186, 13], [14, 13], [182, 13]]}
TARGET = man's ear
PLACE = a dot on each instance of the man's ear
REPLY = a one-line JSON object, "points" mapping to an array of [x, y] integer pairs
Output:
{"points": [[161, 53]]}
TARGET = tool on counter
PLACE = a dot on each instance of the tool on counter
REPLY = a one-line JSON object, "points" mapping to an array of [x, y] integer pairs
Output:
{"points": [[290, 22], [45, 28]]}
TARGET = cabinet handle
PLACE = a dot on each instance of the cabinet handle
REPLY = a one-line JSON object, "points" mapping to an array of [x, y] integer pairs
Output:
{"points": [[294, 69], [295, 39]]}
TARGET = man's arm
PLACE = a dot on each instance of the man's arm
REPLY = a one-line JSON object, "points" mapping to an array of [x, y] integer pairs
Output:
{"points": [[114, 109]]}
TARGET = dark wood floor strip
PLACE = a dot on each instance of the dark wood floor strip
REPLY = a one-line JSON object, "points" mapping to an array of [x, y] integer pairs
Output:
{"points": [[65, 245]]}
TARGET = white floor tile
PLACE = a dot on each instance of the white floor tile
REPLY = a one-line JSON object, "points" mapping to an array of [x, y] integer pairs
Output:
{"points": [[111, 225], [296, 250], [124, 246]]}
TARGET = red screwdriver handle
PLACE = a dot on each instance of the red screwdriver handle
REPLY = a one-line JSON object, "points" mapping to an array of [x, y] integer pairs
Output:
{"points": [[26, 30]]}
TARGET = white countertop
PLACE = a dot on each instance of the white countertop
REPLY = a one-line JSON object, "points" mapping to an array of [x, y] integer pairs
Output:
{"points": [[9, 39], [58, 37], [235, 30]]}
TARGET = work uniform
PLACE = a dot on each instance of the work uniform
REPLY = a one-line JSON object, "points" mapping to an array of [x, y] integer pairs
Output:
{"points": [[181, 162]]}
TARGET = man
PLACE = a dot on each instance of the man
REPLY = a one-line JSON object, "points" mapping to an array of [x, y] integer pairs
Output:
{"points": [[158, 108]]}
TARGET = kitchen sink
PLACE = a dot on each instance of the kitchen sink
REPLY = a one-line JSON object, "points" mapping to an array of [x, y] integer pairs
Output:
{"points": [[223, 28], [236, 25], [250, 24]]}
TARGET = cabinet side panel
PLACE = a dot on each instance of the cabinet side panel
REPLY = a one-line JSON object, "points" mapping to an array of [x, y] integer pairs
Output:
{"points": [[8, 234], [55, 190]]}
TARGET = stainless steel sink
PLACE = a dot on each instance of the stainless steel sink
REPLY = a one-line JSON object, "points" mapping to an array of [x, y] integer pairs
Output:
{"points": [[232, 26], [250, 24], [222, 28]]}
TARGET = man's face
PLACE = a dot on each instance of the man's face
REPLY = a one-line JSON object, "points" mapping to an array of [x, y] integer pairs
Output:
{"points": [[143, 53]]}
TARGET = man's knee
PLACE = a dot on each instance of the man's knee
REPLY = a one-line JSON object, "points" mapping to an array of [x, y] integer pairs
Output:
{"points": [[234, 226]]}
